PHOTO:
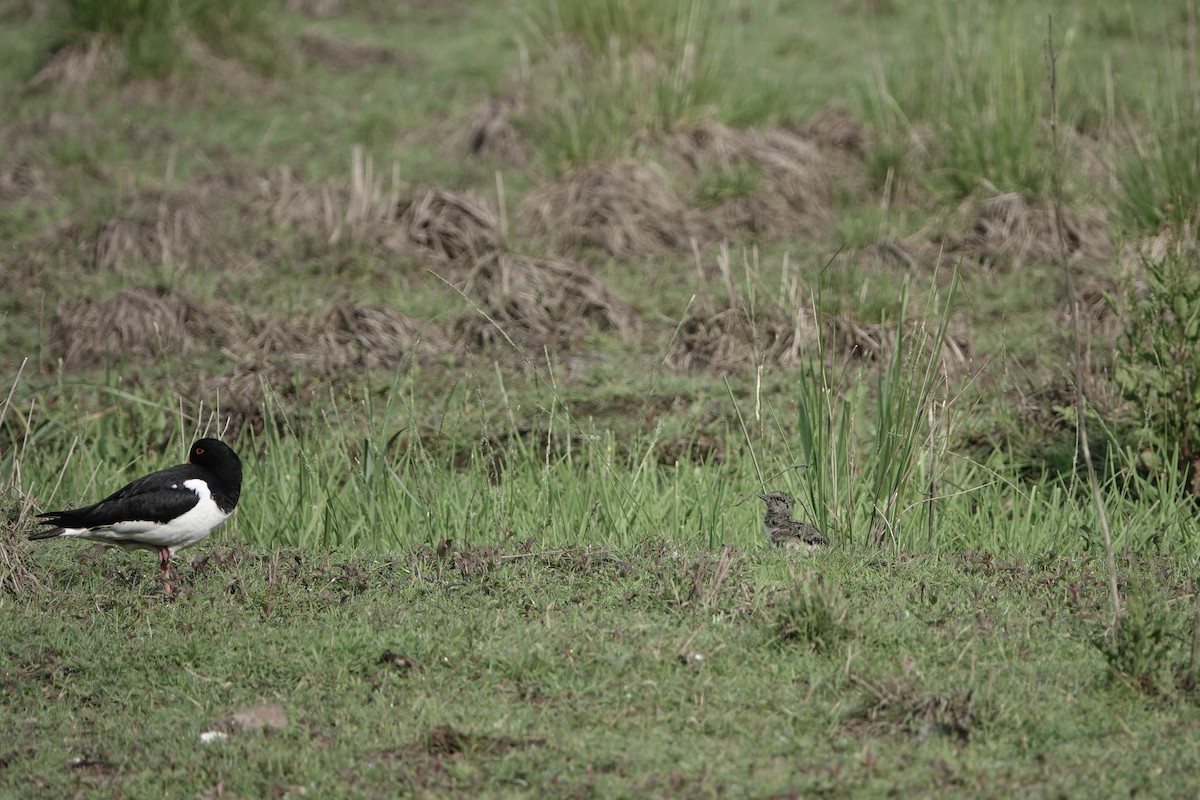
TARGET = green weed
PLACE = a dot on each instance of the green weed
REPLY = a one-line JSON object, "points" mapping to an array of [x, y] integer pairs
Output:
{"points": [[1158, 359], [153, 36]]}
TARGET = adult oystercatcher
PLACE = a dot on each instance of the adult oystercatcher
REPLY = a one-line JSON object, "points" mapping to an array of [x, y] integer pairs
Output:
{"points": [[165, 511]]}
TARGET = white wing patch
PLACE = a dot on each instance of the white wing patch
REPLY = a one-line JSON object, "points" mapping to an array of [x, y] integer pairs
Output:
{"points": [[183, 531]]}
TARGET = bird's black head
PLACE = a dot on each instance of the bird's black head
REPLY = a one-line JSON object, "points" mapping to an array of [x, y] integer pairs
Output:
{"points": [[215, 455]]}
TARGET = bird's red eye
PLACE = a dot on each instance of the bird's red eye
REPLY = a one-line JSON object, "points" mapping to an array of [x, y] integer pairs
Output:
{"points": [[199, 451]]}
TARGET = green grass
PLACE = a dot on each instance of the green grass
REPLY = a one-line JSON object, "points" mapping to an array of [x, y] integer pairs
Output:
{"points": [[491, 571], [648, 669]]}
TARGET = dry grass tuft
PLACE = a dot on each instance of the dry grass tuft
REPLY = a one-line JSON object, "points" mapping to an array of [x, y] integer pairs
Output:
{"points": [[455, 228], [537, 302], [755, 181], [295, 358], [347, 337], [162, 227], [731, 339], [848, 339], [1009, 232], [134, 324], [895, 255], [78, 65], [238, 397], [896, 706], [347, 55], [834, 130], [361, 211], [625, 210], [732, 336]]}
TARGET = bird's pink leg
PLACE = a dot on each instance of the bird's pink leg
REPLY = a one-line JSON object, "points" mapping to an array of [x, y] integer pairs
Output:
{"points": [[164, 562]]}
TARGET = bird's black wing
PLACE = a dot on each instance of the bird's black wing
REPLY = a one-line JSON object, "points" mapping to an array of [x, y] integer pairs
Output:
{"points": [[157, 497]]}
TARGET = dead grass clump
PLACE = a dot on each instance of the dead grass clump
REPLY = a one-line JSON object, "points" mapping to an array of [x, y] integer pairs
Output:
{"points": [[730, 339], [134, 324], [162, 227], [81, 64], [754, 181], [489, 132], [625, 210], [706, 146], [1162, 245], [378, 336], [455, 228], [246, 397], [734, 336], [834, 130], [361, 211], [347, 337], [346, 55], [537, 302], [25, 177], [1007, 231], [848, 339], [895, 706], [25, 170], [895, 254]]}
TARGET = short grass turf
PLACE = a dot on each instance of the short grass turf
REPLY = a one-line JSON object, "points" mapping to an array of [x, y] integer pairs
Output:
{"points": [[584, 672]]}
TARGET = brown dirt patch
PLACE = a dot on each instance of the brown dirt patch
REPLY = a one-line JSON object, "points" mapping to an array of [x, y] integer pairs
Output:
{"points": [[134, 324], [537, 302], [346, 55], [1008, 232], [489, 131], [454, 227], [625, 210]]}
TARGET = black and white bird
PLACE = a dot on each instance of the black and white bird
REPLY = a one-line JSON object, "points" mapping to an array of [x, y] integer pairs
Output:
{"points": [[165, 511], [783, 531]]}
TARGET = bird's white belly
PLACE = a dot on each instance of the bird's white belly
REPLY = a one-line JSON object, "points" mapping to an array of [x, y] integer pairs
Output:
{"points": [[176, 534]]}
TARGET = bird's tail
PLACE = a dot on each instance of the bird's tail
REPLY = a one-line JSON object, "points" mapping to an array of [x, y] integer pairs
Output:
{"points": [[49, 534]]}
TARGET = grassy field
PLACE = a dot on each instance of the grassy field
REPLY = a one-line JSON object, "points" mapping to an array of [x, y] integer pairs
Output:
{"points": [[511, 309]]}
